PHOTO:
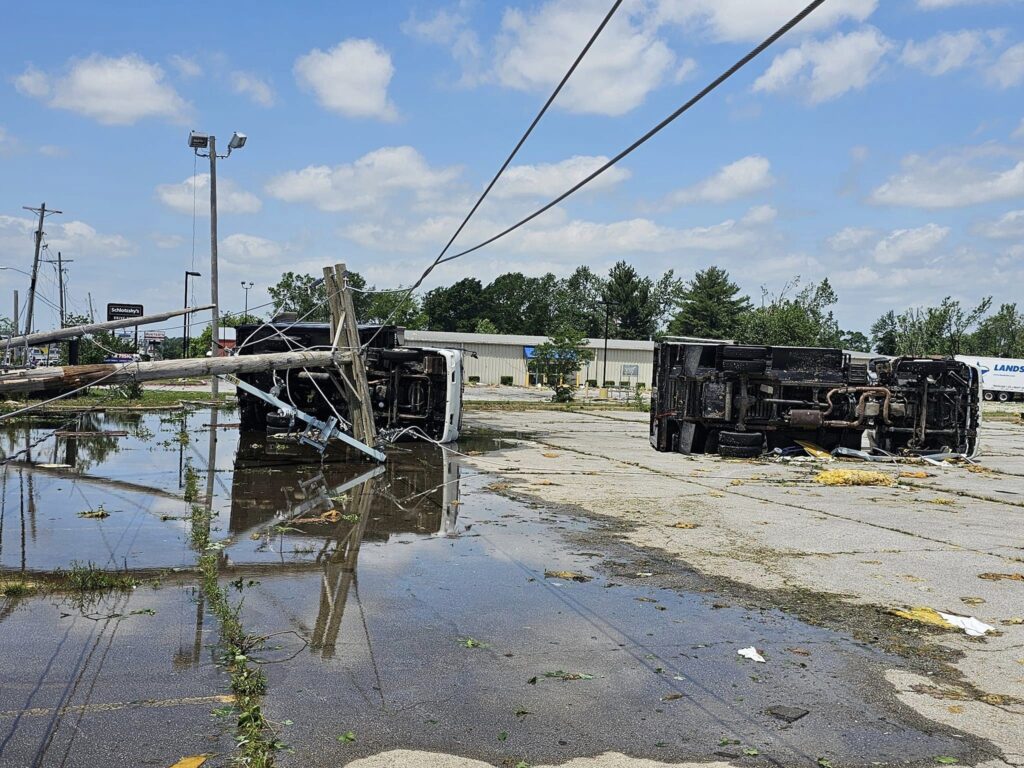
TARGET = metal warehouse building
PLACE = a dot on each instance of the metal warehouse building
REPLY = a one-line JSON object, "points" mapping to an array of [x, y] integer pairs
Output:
{"points": [[501, 356]]}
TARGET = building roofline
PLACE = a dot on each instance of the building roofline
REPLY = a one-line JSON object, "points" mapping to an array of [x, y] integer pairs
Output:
{"points": [[516, 340]]}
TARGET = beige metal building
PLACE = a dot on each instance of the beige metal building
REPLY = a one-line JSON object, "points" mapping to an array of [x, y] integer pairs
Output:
{"points": [[501, 356]]}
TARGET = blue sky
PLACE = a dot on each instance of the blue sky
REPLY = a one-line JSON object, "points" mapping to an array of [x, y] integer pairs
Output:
{"points": [[881, 145]]}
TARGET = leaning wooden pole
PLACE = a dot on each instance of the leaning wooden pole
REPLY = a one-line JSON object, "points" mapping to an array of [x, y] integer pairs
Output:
{"points": [[346, 329], [60, 378], [60, 334]]}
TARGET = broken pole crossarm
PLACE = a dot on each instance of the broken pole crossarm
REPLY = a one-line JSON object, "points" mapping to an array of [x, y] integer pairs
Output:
{"points": [[61, 334], [63, 377]]}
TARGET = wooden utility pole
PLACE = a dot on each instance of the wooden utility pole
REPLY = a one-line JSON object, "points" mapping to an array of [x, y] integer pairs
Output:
{"points": [[62, 334], [41, 210], [74, 376], [345, 329]]}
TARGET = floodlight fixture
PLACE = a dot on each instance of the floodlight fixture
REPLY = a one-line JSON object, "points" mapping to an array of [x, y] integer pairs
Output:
{"points": [[198, 140], [237, 140]]}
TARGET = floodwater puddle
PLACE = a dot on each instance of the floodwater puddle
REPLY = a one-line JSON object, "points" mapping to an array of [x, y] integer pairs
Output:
{"points": [[409, 607]]}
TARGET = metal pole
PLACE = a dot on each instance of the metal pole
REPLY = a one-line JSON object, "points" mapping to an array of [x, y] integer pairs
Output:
{"points": [[214, 298], [17, 322], [604, 372], [184, 324]]}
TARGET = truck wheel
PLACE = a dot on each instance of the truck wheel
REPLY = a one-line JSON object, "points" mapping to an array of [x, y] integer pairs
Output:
{"points": [[739, 451], [988, 395], [740, 440], [1004, 397]]}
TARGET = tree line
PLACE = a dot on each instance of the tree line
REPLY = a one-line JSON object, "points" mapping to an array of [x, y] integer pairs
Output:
{"points": [[708, 305]]}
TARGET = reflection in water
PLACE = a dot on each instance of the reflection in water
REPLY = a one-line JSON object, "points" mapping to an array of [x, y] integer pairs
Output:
{"points": [[338, 506]]}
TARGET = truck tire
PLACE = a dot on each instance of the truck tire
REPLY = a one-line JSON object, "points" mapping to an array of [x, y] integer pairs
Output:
{"points": [[738, 452], [1004, 397], [740, 440], [988, 395]]}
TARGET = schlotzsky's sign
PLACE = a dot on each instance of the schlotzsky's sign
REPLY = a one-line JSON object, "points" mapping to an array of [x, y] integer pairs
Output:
{"points": [[123, 311]]}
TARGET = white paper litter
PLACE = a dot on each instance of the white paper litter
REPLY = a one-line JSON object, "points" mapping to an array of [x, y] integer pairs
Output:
{"points": [[968, 624], [751, 653]]}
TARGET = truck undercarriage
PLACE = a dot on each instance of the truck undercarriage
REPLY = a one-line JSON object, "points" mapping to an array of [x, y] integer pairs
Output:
{"points": [[413, 389], [739, 400]]}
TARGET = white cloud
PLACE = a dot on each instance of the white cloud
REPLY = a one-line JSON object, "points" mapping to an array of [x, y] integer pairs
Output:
{"points": [[364, 183], [1019, 133], [947, 51], [949, 182], [753, 20], [239, 248], [930, 5], [73, 236], [1009, 225], [741, 178], [167, 242], [186, 66], [850, 238], [901, 243], [52, 150], [352, 79], [856, 278], [551, 179], [628, 60], [451, 29], [194, 191], [825, 70], [112, 91], [254, 87], [1008, 70]]}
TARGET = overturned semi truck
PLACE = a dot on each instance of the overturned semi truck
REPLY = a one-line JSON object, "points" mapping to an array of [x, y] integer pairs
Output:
{"points": [[740, 400], [415, 391]]}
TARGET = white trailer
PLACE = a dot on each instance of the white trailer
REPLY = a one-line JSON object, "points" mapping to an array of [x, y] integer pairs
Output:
{"points": [[1002, 378]]}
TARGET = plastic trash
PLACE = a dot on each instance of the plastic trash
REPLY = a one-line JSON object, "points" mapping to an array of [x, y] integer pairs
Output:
{"points": [[752, 654], [968, 624]]}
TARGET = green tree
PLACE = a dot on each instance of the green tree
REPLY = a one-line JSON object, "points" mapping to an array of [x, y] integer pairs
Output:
{"points": [[805, 320], [1000, 335], [884, 334], [484, 325], [634, 305], [516, 303], [575, 302], [941, 330], [710, 306], [456, 308], [393, 308], [855, 341], [559, 360], [304, 295]]}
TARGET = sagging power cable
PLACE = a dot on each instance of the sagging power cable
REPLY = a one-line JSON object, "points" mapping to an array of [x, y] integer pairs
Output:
{"points": [[643, 139], [483, 195]]}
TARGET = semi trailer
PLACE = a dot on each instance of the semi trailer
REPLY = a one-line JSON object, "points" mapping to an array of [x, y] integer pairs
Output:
{"points": [[741, 400], [1002, 378]]}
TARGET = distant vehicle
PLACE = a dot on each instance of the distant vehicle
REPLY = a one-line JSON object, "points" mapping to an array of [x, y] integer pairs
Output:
{"points": [[1002, 378], [414, 389], [739, 400]]}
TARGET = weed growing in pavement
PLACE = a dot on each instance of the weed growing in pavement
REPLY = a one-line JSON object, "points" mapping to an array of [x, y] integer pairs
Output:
{"points": [[191, 491], [89, 577], [17, 589]]}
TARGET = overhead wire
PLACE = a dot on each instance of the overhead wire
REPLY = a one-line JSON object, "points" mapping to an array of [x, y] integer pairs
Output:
{"points": [[515, 150], [714, 84]]}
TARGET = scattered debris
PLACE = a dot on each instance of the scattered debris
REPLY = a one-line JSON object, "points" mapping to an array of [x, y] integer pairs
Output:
{"points": [[567, 575], [814, 450], [469, 642], [1001, 576], [946, 760], [968, 624], [752, 654], [799, 651], [567, 676], [95, 514], [853, 477], [347, 737], [788, 714], [922, 615], [972, 600], [643, 574], [191, 762], [942, 500], [1013, 621], [672, 697], [684, 526], [551, 455], [917, 475]]}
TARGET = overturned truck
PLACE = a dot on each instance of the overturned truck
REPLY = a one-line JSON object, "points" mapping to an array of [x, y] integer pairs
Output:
{"points": [[415, 391], [740, 400]]}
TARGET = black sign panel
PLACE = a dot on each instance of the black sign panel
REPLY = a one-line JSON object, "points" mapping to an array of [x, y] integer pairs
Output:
{"points": [[123, 311]]}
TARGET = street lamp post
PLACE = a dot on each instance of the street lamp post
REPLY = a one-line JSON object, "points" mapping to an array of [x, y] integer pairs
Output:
{"points": [[607, 314], [246, 286], [184, 329], [196, 142]]}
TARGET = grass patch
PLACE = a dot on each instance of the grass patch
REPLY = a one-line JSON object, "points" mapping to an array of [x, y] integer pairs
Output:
{"points": [[16, 589], [89, 577], [191, 491], [100, 397]]}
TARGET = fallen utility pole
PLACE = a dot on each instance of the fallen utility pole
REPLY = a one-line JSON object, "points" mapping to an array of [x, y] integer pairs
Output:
{"points": [[60, 334], [76, 376]]}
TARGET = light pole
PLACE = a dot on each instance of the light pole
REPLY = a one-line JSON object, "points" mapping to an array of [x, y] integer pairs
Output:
{"points": [[607, 314], [184, 328], [198, 141], [246, 287]]}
